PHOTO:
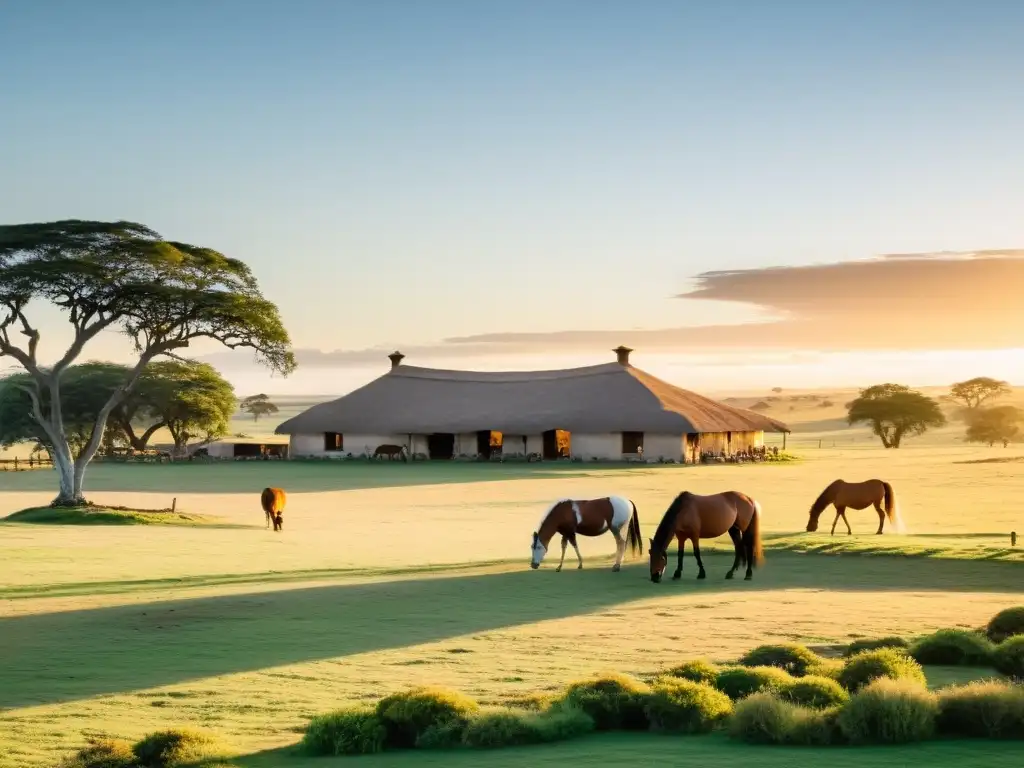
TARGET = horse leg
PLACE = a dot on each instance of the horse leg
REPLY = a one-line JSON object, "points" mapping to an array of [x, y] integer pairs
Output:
{"points": [[737, 542], [839, 512], [579, 557], [700, 563], [565, 543], [620, 549], [748, 545], [842, 514], [881, 516], [679, 567]]}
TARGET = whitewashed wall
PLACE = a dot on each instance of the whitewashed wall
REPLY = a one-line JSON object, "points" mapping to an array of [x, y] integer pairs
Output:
{"points": [[313, 445], [220, 450], [603, 445], [661, 445]]}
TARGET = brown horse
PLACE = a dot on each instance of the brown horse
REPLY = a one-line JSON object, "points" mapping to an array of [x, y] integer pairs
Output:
{"points": [[272, 500], [588, 517], [391, 451], [692, 517], [846, 495]]}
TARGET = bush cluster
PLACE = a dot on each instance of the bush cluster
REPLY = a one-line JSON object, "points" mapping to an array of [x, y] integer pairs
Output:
{"points": [[953, 647], [1006, 624], [874, 644], [175, 748], [867, 666], [797, 660], [739, 682], [1008, 658]]}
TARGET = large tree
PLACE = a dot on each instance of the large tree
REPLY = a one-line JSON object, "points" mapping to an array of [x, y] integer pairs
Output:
{"points": [[104, 276], [257, 406], [190, 399], [973, 393], [999, 424], [894, 411]]}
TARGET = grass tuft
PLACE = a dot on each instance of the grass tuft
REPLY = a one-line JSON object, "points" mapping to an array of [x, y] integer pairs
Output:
{"points": [[103, 753], [407, 715], [815, 691], [953, 647], [1006, 624], [1008, 657], [984, 710], [510, 727], [354, 731], [798, 660], [873, 644], [697, 670], [862, 669], [614, 701], [739, 682], [764, 718], [683, 706], [890, 711]]}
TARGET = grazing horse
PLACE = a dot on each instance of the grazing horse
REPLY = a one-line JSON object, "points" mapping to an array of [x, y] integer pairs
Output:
{"points": [[391, 451], [272, 500], [854, 496], [692, 517], [588, 517]]}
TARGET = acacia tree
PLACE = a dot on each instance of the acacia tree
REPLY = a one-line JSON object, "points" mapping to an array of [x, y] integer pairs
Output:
{"points": [[977, 391], [190, 398], [894, 411], [161, 294], [999, 424], [258, 405]]}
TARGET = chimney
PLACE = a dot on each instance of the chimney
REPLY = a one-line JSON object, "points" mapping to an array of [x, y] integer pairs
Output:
{"points": [[622, 354], [396, 359]]}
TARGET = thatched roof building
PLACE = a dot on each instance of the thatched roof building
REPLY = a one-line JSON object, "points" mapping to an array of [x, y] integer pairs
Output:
{"points": [[596, 400]]}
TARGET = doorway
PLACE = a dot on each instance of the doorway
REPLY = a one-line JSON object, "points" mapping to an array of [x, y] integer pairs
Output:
{"points": [[441, 445], [557, 444], [488, 444]]}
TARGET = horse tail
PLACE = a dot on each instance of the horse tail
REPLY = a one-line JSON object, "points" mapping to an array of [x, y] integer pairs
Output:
{"points": [[636, 543], [890, 502], [753, 535], [267, 500]]}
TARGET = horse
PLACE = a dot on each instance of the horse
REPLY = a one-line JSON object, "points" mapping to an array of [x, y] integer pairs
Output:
{"points": [[588, 517], [845, 495], [273, 500], [391, 451], [692, 517]]}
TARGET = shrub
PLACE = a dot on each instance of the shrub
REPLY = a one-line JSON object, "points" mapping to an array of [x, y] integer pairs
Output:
{"points": [[953, 647], [178, 747], [857, 646], [698, 670], [737, 682], [506, 728], [614, 701], [407, 714], [986, 710], [1008, 657], [355, 731], [796, 659], [764, 718], [103, 753], [815, 691], [1006, 624], [888, 711], [861, 669], [683, 706]]}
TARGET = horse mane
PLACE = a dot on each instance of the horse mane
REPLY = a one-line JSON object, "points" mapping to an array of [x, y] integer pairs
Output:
{"points": [[546, 515], [824, 499], [668, 521]]}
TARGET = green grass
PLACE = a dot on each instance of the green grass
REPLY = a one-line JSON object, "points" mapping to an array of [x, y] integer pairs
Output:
{"points": [[105, 515]]}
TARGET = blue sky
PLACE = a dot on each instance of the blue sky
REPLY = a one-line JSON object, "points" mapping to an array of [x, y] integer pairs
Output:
{"points": [[398, 173]]}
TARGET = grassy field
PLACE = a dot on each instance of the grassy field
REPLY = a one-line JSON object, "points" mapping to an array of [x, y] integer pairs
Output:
{"points": [[391, 575]]}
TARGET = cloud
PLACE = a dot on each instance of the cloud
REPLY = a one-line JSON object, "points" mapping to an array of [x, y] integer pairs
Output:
{"points": [[920, 301]]}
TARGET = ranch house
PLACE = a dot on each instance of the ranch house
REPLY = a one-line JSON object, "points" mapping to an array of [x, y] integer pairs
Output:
{"points": [[609, 412]]}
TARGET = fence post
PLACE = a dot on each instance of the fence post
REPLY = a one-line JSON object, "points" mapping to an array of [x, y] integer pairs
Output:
{"points": [[174, 504]]}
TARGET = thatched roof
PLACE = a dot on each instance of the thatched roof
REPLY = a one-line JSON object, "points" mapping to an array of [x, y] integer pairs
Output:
{"points": [[600, 398]]}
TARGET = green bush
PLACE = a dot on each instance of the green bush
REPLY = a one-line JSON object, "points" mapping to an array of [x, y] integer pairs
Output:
{"points": [[103, 753], [614, 701], [1008, 657], [796, 659], [888, 711], [683, 706], [738, 682], [858, 646], [697, 670], [953, 647], [764, 718], [815, 691], [509, 727], [178, 747], [861, 669], [985, 710], [406, 715], [354, 731], [1006, 624]]}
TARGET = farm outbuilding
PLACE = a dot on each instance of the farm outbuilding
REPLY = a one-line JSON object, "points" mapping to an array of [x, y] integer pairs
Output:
{"points": [[248, 448], [610, 412]]}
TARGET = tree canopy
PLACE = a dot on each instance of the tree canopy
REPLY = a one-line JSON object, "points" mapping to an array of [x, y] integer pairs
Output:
{"points": [[998, 424], [258, 405], [894, 411], [163, 295], [973, 393], [190, 399]]}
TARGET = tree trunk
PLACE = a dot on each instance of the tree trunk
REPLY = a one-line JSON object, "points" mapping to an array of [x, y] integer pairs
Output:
{"points": [[70, 493]]}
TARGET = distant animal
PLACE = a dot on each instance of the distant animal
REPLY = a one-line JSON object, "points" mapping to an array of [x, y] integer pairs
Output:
{"points": [[391, 451], [691, 517], [273, 500], [844, 495], [588, 517]]}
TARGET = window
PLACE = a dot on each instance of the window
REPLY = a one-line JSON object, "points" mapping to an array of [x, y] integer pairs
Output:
{"points": [[334, 441], [632, 442]]}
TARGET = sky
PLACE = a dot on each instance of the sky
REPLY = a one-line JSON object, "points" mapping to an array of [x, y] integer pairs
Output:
{"points": [[750, 194]]}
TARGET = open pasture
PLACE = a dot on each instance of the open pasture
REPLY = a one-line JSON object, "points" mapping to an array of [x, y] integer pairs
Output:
{"points": [[393, 575]]}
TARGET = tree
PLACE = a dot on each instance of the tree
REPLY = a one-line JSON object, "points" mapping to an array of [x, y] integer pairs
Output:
{"points": [[974, 392], [895, 411], [999, 424], [189, 398], [123, 276], [258, 405]]}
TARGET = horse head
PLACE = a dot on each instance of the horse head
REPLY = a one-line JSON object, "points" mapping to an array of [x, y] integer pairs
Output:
{"points": [[659, 560], [537, 551]]}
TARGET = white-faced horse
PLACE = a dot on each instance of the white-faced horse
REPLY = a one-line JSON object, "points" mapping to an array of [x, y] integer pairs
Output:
{"points": [[588, 517]]}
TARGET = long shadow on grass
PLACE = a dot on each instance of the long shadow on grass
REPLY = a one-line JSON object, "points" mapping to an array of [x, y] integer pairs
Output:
{"points": [[76, 654]]}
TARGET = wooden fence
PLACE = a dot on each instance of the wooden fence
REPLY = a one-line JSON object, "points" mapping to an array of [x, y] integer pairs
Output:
{"points": [[32, 462]]}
